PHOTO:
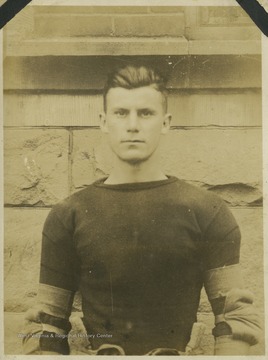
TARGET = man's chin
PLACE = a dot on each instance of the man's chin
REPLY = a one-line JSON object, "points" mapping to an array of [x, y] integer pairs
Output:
{"points": [[134, 160]]}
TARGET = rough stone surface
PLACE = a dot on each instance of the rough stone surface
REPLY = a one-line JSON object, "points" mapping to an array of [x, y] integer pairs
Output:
{"points": [[22, 247], [238, 194], [215, 159], [91, 158], [36, 166], [13, 326]]}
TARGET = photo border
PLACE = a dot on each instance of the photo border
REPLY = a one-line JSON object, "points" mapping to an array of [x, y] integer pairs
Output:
{"points": [[219, 3]]}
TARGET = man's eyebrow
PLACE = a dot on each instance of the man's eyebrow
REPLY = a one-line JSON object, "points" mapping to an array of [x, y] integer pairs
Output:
{"points": [[147, 109], [119, 108]]}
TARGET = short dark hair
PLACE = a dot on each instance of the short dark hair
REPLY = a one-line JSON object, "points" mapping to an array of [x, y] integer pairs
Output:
{"points": [[136, 76]]}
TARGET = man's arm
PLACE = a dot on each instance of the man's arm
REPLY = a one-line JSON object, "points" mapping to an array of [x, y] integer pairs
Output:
{"points": [[237, 324], [47, 324]]}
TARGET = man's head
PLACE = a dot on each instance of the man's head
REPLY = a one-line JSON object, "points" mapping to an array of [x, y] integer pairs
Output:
{"points": [[133, 77], [135, 113]]}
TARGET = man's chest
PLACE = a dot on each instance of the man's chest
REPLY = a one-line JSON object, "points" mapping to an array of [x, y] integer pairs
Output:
{"points": [[136, 238]]}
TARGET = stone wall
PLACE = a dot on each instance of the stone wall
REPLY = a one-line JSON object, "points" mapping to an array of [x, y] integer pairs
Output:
{"points": [[56, 60]]}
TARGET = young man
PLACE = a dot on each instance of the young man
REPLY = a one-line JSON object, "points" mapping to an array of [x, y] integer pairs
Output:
{"points": [[140, 245]]}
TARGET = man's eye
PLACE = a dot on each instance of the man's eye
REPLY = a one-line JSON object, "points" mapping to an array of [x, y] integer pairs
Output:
{"points": [[120, 113], [145, 113]]}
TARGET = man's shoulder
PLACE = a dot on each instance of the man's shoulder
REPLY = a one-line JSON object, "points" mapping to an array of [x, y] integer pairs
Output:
{"points": [[198, 197], [208, 207], [78, 197], [65, 209]]}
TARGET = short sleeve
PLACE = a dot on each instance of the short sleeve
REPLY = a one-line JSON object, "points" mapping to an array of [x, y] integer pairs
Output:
{"points": [[222, 238], [59, 261], [47, 324]]}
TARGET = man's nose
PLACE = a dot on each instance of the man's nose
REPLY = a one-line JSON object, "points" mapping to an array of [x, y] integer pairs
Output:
{"points": [[133, 122]]}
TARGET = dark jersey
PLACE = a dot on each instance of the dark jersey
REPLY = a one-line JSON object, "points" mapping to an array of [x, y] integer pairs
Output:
{"points": [[138, 253]]}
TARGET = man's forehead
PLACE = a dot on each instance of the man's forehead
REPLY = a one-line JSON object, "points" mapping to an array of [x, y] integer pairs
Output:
{"points": [[142, 96]]}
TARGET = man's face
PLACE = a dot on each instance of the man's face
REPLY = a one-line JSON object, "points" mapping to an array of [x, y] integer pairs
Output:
{"points": [[134, 121]]}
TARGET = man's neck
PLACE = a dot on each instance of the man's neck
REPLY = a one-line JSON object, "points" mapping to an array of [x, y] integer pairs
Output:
{"points": [[134, 173]]}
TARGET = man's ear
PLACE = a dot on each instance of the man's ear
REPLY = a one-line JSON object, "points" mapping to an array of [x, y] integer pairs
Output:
{"points": [[166, 123], [103, 122]]}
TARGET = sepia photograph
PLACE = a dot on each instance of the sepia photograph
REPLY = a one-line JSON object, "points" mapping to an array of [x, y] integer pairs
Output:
{"points": [[133, 179]]}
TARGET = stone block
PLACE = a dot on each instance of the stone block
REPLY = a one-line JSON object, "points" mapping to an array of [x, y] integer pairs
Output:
{"points": [[91, 158], [166, 9], [93, 25], [22, 248], [62, 9], [217, 157], [216, 108], [52, 109], [35, 166], [218, 16], [219, 23], [55, 72], [215, 71], [120, 9], [221, 47], [167, 25], [57, 25], [225, 32], [48, 26]]}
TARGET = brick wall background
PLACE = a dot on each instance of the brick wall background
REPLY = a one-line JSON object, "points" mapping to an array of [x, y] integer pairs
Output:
{"points": [[55, 63]]}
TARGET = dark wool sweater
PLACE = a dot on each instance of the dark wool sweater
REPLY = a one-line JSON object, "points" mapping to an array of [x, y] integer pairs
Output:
{"points": [[138, 253]]}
